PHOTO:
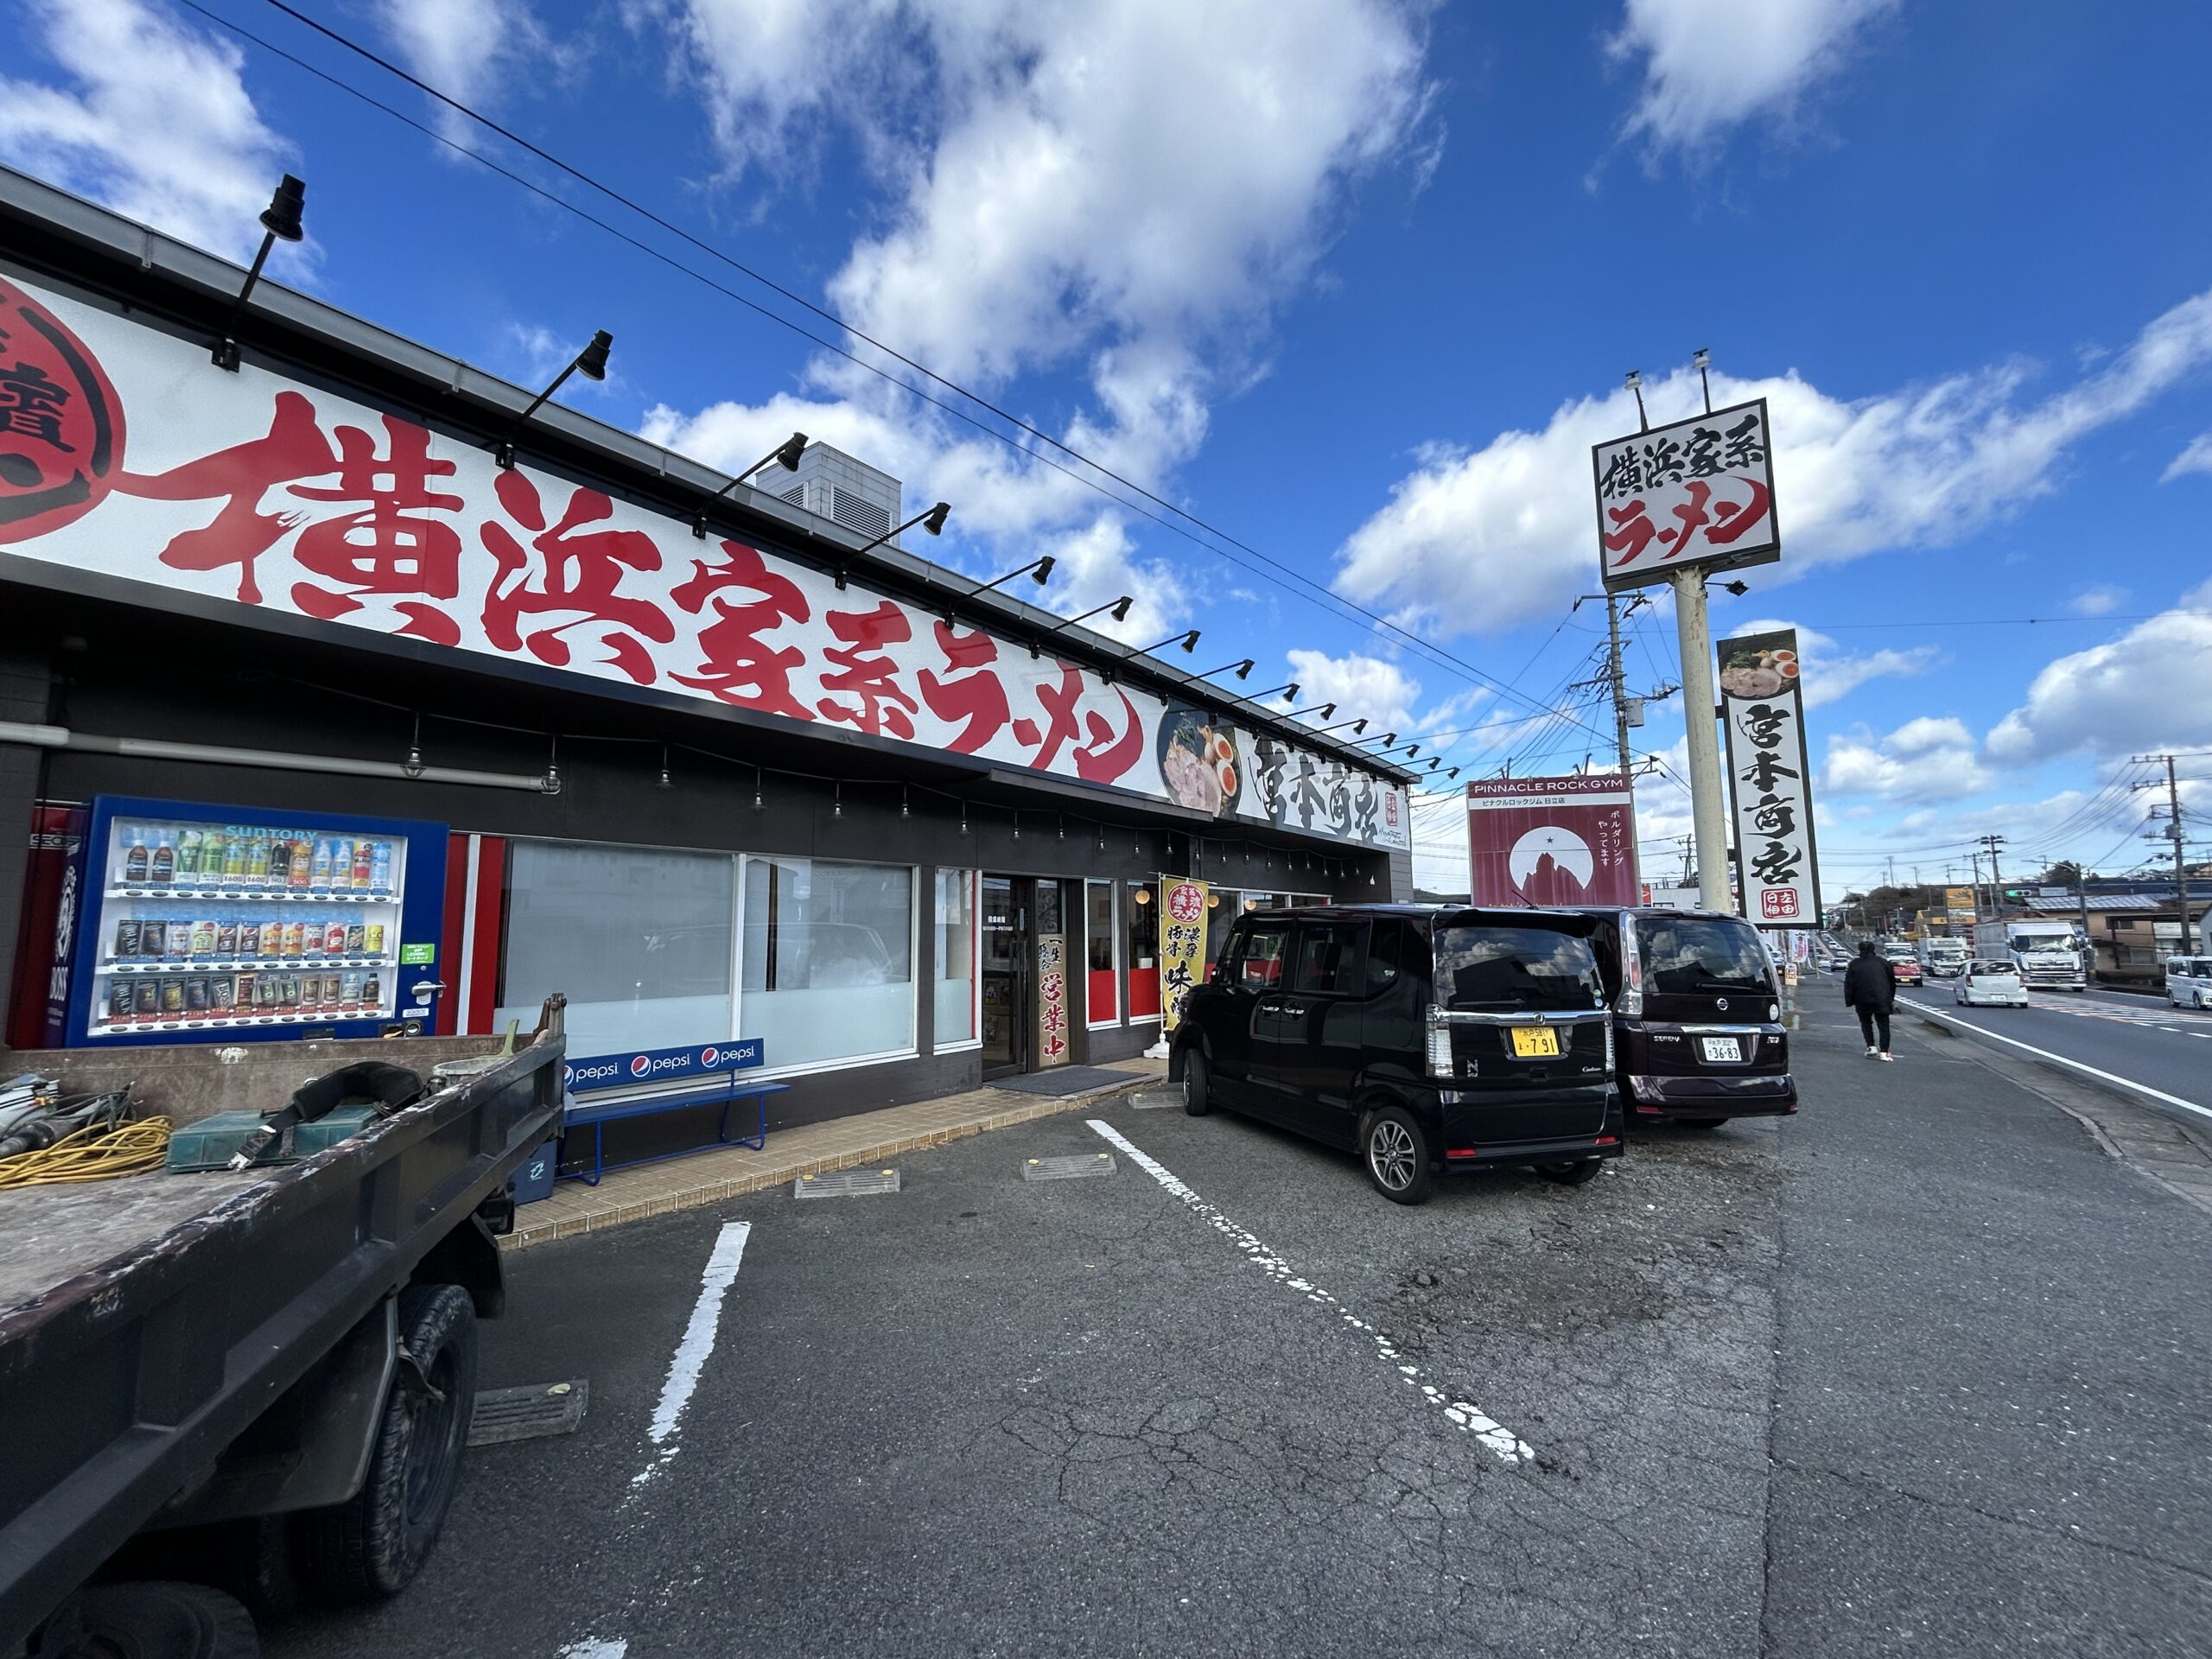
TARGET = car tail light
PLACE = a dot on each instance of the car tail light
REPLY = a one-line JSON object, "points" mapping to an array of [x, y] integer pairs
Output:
{"points": [[1462, 1151], [1609, 1048], [1439, 1043], [1606, 1141]]}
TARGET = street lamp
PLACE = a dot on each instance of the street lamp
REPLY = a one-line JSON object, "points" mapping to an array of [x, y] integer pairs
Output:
{"points": [[281, 218], [591, 363], [933, 521], [784, 454]]}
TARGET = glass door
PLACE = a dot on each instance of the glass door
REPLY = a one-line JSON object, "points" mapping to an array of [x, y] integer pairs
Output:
{"points": [[1008, 1031]]}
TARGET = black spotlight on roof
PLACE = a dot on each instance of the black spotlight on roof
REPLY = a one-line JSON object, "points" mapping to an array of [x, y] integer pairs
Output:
{"points": [[280, 220], [591, 363]]}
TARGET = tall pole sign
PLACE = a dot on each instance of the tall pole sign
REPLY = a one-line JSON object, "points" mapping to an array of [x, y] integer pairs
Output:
{"points": [[1675, 504], [1763, 705]]}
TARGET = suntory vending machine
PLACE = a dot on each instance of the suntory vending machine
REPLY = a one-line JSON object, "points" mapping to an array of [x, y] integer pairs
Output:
{"points": [[199, 923]]}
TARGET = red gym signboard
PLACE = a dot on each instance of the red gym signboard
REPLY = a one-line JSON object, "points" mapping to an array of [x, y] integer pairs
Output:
{"points": [[1552, 841]]}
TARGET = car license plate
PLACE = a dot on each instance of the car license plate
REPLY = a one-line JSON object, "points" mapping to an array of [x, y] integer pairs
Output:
{"points": [[1724, 1048], [1534, 1043]]}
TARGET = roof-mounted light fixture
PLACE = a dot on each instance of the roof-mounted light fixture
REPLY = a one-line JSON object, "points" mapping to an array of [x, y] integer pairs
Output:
{"points": [[279, 220], [591, 363], [933, 521], [784, 454]]}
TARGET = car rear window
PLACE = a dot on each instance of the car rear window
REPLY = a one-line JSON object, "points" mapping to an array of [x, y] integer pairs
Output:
{"points": [[1506, 970], [1698, 956], [1979, 968]]}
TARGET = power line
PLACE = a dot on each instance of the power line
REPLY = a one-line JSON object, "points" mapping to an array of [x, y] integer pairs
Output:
{"points": [[1307, 587]]}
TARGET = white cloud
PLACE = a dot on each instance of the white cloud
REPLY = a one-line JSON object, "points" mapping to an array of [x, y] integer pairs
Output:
{"points": [[1372, 687], [1486, 539], [1712, 65], [1831, 673], [1931, 759], [470, 50], [2197, 458], [155, 121], [2138, 692], [2101, 599], [1122, 190]]}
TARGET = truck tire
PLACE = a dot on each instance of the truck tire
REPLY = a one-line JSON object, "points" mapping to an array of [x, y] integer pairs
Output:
{"points": [[372, 1545], [155, 1619]]}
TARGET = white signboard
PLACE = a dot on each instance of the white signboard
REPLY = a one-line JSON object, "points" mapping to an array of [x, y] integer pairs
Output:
{"points": [[1762, 697], [1698, 493], [123, 451]]}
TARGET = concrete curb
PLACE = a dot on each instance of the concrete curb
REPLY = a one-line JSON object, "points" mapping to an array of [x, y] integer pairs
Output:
{"points": [[772, 1171]]}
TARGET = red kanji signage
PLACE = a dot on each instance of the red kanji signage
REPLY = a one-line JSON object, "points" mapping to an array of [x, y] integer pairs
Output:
{"points": [[1698, 493]]}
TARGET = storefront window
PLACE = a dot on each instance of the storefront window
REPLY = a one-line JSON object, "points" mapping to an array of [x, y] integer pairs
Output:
{"points": [[828, 960], [1144, 951], [638, 938], [956, 959], [1223, 906], [1100, 939]]}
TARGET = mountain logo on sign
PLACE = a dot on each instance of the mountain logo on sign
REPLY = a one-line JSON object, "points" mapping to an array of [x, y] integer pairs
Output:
{"points": [[1551, 865]]}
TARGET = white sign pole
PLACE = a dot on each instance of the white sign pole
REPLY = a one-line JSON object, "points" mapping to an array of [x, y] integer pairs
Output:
{"points": [[1708, 790]]}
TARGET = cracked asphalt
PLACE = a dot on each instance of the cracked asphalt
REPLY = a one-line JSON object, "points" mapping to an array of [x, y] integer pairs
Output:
{"points": [[1922, 1370]]}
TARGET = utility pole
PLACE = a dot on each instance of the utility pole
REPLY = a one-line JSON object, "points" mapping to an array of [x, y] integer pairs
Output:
{"points": [[1615, 679], [2173, 833], [1995, 881]]}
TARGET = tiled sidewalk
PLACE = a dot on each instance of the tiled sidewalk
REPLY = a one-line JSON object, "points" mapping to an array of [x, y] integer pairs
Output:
{"points": [[674, 1184]]}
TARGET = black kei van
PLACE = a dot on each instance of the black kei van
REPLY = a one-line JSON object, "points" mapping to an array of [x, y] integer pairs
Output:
{"points": [[1697, 1017], [1424, 1037]]}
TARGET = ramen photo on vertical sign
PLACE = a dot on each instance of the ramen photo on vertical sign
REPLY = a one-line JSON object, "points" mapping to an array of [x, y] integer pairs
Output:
{"points": [[1762, 700]]}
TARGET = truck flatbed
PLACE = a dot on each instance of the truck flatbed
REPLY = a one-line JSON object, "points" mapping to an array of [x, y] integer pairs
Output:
{"points": [[48, 1235]]}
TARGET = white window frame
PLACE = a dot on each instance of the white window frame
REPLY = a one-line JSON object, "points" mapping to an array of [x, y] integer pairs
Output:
{"points": [[843, 1063], [1115, 927], [975, 966]]}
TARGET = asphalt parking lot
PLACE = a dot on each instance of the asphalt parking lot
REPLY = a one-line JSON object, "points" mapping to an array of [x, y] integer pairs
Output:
{"points": [[1912, 1372]]}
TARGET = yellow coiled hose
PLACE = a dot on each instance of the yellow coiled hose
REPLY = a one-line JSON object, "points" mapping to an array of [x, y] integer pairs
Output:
{"points": [[95, 1152]]}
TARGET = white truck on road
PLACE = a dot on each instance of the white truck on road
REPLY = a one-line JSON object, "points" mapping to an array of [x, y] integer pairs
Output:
{"points": [[2046, 952]]}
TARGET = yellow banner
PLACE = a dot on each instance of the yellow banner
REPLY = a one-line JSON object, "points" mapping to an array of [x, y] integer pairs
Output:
{"points": [[1182, 944]]}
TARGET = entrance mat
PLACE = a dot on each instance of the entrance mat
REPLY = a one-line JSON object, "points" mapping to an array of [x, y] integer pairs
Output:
{"points": [[1068, 1169], [1065, 1080], [527, 1413]]}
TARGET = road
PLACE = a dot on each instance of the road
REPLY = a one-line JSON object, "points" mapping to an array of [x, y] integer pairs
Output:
{"points": [[1918, 1371], [2129, 1037]]}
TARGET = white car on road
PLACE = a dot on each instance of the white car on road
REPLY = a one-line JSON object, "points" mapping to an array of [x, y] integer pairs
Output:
{"points": [[1990, 983], [2189, 981]]}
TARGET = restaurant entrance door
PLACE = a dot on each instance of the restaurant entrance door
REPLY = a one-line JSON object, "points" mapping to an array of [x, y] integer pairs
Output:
{"points": [[1031, 1004]]}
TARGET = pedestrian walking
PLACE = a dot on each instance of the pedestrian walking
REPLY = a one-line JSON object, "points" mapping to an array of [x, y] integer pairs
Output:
{"points": [[1870, 985]]}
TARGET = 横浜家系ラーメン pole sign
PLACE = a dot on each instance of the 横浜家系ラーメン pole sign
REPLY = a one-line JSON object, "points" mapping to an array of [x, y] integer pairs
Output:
{"points": [[1763, 713], [1697, 493]]}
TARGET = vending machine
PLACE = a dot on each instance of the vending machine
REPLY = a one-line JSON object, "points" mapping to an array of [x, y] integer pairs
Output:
{"points": [[196, 923]]}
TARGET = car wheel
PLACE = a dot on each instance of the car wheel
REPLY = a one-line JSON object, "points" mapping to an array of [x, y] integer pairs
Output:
{"points": [[373, 1544], [2200, 1001], [1581, 1173], [1395, 1153], [153, 1619], [1197, 1097]]}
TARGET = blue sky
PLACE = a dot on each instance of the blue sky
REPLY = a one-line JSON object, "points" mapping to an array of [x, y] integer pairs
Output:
{"points": [[1355, 282]]}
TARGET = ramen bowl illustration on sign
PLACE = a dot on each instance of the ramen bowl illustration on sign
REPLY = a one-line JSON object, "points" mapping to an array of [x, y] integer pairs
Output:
{"points": [[1199, 764]]}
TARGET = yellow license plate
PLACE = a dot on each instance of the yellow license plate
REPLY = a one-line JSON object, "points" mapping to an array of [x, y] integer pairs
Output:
{"points": [[1534, 1043]]}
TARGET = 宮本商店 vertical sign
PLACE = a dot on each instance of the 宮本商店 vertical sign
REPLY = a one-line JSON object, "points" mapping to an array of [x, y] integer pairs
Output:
{"points": [[1763, 702]]}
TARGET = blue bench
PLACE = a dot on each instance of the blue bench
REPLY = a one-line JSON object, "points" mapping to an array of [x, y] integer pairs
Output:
{"points": [[728, 1089]]}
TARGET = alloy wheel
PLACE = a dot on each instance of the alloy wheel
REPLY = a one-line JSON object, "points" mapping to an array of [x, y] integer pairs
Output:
{"points": [[1390, 1155]]}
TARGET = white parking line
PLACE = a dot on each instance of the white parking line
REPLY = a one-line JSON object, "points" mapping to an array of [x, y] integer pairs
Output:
{"points": [[2060, 1059], [592, 1648], [690, 1356], [1467, 1415]]}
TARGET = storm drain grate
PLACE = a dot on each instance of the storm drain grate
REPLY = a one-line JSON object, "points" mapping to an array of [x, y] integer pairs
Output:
{"points": [[1068, 1169], [846, 1184], [527, 1413], [1156, 1100]]}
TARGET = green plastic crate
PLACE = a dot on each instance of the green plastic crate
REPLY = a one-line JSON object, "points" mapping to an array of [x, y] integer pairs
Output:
{"points": [[338, 1124]]}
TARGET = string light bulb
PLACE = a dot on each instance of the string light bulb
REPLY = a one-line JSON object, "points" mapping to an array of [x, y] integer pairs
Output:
{"points": [[836, 800]]}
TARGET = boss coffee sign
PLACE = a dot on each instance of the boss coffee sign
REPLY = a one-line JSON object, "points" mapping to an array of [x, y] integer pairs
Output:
{"points": [[661, 1065]]}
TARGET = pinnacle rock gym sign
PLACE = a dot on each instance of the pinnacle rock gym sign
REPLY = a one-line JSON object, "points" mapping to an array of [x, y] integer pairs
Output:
{"points": [[255, 489], [1551, 841]]}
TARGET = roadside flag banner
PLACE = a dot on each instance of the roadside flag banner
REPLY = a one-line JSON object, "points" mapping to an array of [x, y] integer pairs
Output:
{"points": [[1700, 493], [1552, 841], [1182, 944], [1762, 708]]}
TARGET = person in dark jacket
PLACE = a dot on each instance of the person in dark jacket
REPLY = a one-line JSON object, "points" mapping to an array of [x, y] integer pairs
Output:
{"points": [[1870, 985]]}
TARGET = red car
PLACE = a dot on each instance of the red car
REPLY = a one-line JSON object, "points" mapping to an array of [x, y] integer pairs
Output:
{"points": [[1907, 966]]}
